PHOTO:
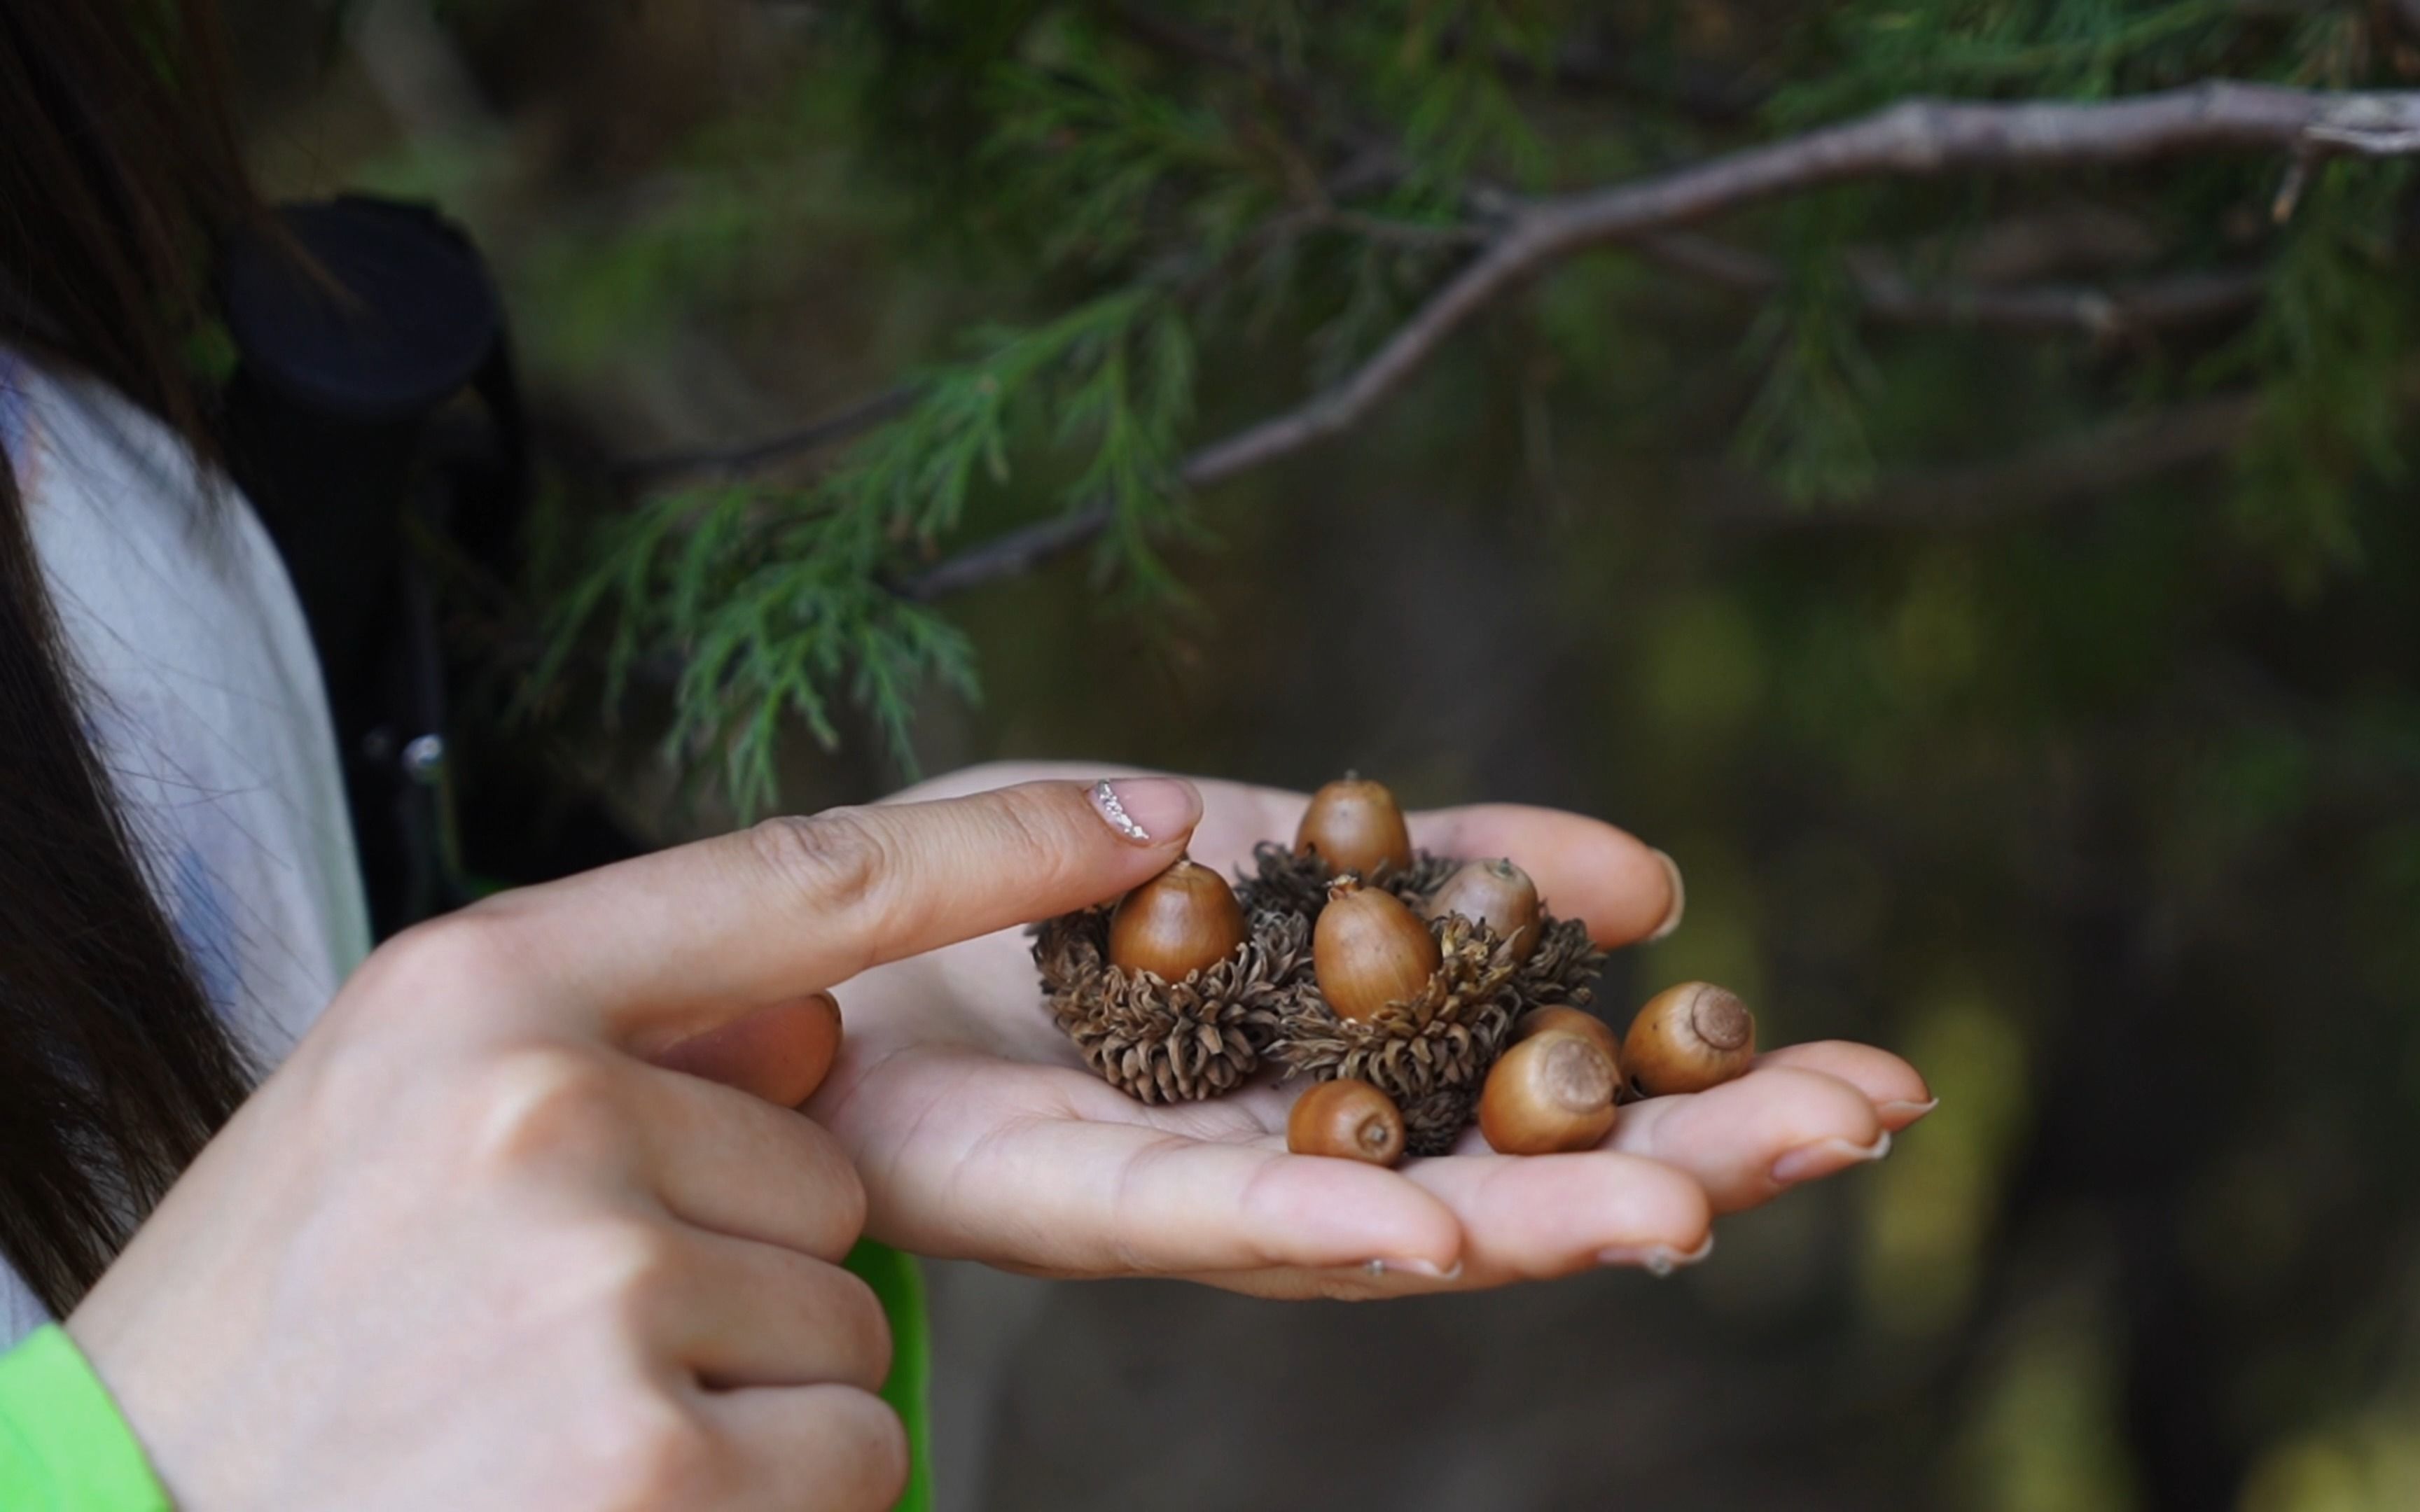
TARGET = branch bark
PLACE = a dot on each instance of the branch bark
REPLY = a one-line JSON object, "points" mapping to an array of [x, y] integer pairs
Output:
{"points": [[1916, 139], [724, 462]]}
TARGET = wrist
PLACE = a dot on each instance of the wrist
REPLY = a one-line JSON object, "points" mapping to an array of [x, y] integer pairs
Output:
{"points": [[63, 1441]]}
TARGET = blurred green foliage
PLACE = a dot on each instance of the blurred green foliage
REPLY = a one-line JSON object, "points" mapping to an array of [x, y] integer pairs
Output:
{"points": [[1248, 191]]}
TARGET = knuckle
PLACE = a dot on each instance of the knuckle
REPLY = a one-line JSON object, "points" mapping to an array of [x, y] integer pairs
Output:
{"points": [[444, 958], [892, 1455], [623, 1269], [549, 1102], [830, 859], [1034, 826], [868, 1332], [659, 1453], [875, 1453], [838, 1190]]}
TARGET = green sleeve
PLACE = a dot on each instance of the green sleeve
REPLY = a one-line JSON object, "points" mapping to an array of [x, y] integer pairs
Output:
{"points": [[896, 1281], [63, 1448]]}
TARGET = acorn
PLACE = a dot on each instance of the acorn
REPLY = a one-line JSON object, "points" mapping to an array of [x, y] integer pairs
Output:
{"points": [[1184, 920], [1689, 1037], [1494, 893], [1172, 996], [1368, 950], [1356, 826], [1349, 1119], [1551, 1092], [1561, 1018]]}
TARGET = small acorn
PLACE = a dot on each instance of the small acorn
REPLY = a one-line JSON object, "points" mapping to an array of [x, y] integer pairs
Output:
{"points": [[1179, 922], [1348, 1119], [1561, 1018], [1368, 950], [1689, 1037], [1356, 826], [1494, 893], [1550, 1092]]}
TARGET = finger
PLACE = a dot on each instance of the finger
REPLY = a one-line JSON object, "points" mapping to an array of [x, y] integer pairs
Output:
{"points": [[812, 1448], [1132, 1202], [781, 1052], [1748, 1140], [735, 1166], [676, 943], [743, 1314], [1895, 1087], [1622, 889], [1531, 1216], [1090, 1190], [1341, 1283]]}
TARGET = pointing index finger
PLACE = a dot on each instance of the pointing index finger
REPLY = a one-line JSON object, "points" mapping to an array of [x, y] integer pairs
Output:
{"points": [[678, 942]]}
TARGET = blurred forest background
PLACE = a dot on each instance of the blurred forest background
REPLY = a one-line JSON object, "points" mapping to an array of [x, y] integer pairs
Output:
{"points": [[1997, 585]]}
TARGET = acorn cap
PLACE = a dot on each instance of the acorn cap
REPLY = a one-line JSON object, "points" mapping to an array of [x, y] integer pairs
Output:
{"points": [[1279, 879], [1164, 1041], [1432, 1055]]}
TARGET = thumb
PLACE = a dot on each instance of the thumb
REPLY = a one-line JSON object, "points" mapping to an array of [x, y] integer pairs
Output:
{"points": [[653, 951], [779, 1053]]}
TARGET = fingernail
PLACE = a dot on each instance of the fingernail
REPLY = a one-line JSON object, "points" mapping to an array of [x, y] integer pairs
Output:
{"points": [[1426, 1270], [1658, 1260], [1824, 1156], [1147, 809], [1902, 1113], [1679, 899]]}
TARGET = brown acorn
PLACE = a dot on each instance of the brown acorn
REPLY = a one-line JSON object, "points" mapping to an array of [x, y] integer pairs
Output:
{"points": [[1497, 894], [1356, 826], [1689, 1037], [1369, 950], [1561, 1018], [1551, 1092], [1172, 1042], [1181, 921], [1348, 1119]]}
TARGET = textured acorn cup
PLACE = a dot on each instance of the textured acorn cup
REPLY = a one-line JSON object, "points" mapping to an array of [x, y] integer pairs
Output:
{"points": [[1689, 1037], [1369, 950], [1561, 1018], [1348, 1119], [1549, 1093], [1184, 920], [1497, 894], [1356, 826], [1172, 1042]]}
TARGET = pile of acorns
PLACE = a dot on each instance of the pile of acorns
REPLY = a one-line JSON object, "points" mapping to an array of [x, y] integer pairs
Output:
{"points": [[1420, 992]]}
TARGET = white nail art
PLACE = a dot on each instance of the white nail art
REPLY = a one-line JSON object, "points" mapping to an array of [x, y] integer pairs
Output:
{"points": [[1105, 798], [1679, 901]]}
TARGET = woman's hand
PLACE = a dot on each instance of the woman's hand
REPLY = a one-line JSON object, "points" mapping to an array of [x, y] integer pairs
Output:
{"points": [[980, 1135], [470, 1249]]}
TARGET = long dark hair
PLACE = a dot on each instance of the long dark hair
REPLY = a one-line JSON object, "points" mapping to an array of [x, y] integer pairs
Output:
{"points": [[119, 172]]}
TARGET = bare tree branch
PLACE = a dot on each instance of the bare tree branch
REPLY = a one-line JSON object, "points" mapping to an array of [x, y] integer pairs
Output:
{"points": [[724, 462], [2064, 472], [2183, 300], [1008, 554], [1915, 139]]}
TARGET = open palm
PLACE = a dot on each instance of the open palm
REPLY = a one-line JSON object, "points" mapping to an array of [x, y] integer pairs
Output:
{"points": [[980, 1135]]}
